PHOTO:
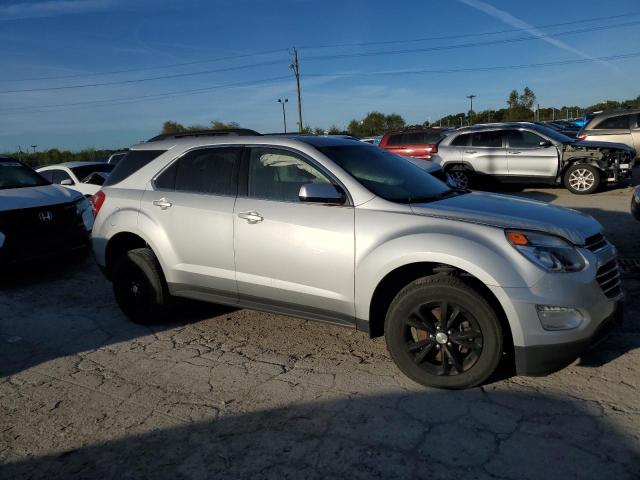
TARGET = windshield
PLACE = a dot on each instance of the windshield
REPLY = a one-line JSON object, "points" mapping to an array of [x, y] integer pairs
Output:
{"points": [[14, 174], [386, 175], [84, 171], [554, 134]]}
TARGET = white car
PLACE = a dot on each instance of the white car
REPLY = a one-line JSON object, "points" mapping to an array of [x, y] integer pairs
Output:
{"points": [[84, 177]]}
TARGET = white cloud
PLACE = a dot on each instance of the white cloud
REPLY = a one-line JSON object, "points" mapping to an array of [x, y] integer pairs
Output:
{"points": [[509, 19], [51, 8]]}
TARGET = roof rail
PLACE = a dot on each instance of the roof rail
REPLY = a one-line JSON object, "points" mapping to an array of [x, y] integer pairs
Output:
{"points": [[240, 132]]}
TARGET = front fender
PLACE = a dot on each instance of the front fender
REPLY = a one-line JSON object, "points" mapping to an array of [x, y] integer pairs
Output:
{"points": [[481, 251]]}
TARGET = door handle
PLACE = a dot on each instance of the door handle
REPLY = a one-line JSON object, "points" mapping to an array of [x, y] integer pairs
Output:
{"points": [[470, 151], [514, 153], [251, 217], [163, 203]]}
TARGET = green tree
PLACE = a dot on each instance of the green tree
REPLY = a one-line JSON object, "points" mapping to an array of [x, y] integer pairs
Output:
{"points": [[375, 123]]}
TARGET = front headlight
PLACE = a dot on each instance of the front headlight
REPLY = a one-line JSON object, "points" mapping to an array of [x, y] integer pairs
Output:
{"points": [[549, 252]]}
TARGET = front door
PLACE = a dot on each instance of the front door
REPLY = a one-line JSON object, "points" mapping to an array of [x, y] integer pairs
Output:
{"points": [[289, 254], [190, 207], [528, 158]]}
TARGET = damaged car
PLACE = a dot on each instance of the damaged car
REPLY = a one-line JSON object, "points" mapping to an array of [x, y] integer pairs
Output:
{"points": [[525, 152]]}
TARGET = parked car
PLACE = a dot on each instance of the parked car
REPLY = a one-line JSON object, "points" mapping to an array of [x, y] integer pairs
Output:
{"points": [[115, 158], [566, 128], [417, 143], [372, 140], [620, 126], [635, 203], [339, 231], [84, 177], [531, 153], [38, 219]]}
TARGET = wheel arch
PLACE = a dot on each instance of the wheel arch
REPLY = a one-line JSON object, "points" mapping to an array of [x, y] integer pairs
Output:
{"points": [[397, 279]]}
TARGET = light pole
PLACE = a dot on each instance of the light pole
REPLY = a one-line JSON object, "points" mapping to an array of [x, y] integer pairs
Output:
{"points": [[284, 113], [34, 148], [295, 66], [471, 97]]}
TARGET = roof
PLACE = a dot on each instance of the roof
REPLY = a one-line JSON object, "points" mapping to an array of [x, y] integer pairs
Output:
{"points": [[5, 158], [293, 141], [206, 133], [75, 164]]}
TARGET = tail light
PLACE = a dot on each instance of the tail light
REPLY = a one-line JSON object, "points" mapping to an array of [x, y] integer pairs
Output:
{"points": [[96, 202]]}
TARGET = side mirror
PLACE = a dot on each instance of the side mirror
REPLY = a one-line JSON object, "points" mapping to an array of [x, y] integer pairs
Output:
{"points": [[66, 182], [545, 143], [321, 193]]}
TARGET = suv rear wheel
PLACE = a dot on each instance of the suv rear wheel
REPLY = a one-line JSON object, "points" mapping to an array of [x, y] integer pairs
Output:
{"points": [[140, 288], [441, 333], [461, 175], [582, 179]]}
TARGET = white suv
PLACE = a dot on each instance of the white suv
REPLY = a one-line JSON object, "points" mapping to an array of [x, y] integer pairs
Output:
{"points": [[344, 232]]}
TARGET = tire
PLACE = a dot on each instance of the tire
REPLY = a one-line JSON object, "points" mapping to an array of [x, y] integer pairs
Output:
{"points": [[582, 179], [471, 343], [462, 176], [140, 288]]}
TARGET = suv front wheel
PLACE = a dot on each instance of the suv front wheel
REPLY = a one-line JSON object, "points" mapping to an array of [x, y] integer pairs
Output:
{"points": [[582, 179], [140, 288], [441, 333]]}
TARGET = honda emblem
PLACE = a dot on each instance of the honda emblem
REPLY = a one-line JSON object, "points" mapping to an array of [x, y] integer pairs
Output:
{"points": [[45, 216]]}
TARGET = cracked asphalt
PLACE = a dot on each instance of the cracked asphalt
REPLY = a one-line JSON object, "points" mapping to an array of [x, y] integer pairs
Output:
{"points": [[224, 393]]}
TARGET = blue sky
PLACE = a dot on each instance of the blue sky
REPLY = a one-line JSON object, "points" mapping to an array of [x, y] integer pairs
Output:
{"points": [[211, 47]]}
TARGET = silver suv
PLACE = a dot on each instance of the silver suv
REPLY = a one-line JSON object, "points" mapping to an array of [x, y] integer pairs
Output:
{"points": [[525, 152], [344, 232]]}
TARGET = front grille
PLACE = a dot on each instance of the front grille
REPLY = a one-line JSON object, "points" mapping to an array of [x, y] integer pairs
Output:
{"points": [[596, 242], [32, 232], [608, 277]]}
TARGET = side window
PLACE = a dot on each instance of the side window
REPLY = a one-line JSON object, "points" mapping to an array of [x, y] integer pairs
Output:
{"points": [[461, 140], [395, 140], [48, 174], [487, 139], [59, 176], [278, 174], [523, 139], [614, 123], [212, 171]]}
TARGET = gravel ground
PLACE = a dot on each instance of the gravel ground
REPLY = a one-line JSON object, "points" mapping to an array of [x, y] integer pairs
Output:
{"points": [[223, 393]]}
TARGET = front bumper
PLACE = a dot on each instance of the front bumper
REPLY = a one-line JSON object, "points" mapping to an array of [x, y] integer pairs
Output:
{"points": [[544, 359]]}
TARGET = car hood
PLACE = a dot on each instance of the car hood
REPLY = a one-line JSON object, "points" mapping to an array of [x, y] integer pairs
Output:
{"points": [[33, 197], [595, 144], [504, 211]]}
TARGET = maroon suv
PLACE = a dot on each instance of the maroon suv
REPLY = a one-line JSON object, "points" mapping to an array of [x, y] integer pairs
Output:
{"points": [[418, 143]]}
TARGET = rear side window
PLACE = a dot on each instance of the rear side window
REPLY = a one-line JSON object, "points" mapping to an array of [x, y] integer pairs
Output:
{"points": [[461, 140], [395, 140], [131, 163], [614, 123], [487, 139], [211, 170]]}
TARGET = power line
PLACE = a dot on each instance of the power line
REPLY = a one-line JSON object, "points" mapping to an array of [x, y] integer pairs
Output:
{"points": [[133, 99], [157, 96], [468, 45], [147, 79], [467, 35], [479, 69], [311, 47], [141, 69]]}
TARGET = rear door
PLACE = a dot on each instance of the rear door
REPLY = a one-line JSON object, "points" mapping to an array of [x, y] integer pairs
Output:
{"points": [[191, 205], [527, 158], [487, 153], [291, 254]]}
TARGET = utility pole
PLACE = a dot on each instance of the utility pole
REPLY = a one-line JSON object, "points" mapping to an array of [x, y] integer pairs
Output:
{"points": [[537, 116], [295, 66], [471, 97], [553, 113], [284, 114]]}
